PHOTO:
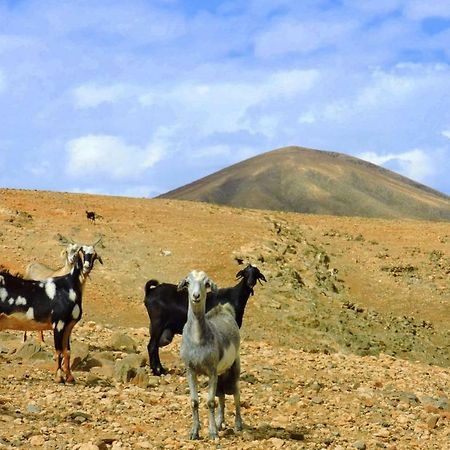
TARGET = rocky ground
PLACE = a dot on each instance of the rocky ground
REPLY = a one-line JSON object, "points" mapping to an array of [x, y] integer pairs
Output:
{"points": [[346, 346], [290, 399]]}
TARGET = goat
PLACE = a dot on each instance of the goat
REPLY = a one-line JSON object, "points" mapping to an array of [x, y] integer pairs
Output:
{"points": [[167, 309], [91, 216], [54, 303], [39, 271], [210, 346]]}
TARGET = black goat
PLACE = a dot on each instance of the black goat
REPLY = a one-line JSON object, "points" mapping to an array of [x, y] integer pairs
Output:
{"points": [[54, 303], [91, 216], [167, 309]]}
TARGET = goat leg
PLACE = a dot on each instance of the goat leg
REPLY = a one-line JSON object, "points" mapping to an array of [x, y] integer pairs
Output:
{"points": [[212, 387], [153, 355], [192, 380], [221, 412], [66, 351]]}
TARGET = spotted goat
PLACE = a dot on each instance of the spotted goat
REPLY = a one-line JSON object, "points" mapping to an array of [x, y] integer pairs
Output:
{"points": [[52, 304]]}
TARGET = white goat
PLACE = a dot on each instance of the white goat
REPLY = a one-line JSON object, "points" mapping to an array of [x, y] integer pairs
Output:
{"points": [[210, 346], [38, 271]]}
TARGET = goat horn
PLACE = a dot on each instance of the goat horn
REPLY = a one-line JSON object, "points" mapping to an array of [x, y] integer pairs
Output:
{"points": [[97, 241]]}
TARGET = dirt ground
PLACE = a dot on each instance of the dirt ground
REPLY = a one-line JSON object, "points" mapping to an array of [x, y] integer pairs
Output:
{"points": [[345, 346]]}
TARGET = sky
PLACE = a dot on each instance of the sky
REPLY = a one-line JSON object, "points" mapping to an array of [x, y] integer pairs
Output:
{"points": [[135, 98]]}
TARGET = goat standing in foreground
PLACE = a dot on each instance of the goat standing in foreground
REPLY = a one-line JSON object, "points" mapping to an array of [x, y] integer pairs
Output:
{"points": [[54, 303], [167, 309], [38, 271], [210, 346]]}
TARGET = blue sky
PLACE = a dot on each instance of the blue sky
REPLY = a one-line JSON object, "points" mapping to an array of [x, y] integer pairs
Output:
{"points": [[138, 97]]}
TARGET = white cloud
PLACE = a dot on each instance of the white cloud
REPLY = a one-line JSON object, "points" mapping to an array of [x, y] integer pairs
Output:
{"points": [[421, 9], [288, 36], [223, 106], [307, 117], [110, 155], [91, 95], [446, 133], [415, 164]]}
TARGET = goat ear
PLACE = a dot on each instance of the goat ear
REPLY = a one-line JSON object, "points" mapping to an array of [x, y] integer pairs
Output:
{"points": [[212, 286], [240, 274], [182, 284], [262, 277], [100, 259]]}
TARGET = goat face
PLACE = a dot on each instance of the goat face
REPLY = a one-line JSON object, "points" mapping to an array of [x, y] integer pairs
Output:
{"points": [[89, 256], [251, 274], [197, 283]]}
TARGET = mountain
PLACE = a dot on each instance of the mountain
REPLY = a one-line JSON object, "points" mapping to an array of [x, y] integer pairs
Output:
{"points": [[312, 181]]}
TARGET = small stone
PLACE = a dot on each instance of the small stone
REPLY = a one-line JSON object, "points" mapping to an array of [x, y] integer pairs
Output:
{"points": [[153, 381], [92, 379], [37, 441], [87, 446], [121, 341], [432, 421], [141, 378], [360, 445], [79, 354], [33, 409], [276, 442]]}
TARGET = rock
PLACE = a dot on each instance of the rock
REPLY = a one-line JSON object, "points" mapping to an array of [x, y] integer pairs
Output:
{"points": [[79, 416], [121, 341], [409, 397], [33, 409], [93, 379], [79, 354], [360, 445], [153, 381], [105, 370], [141, 378], [123, 371], [37, 441], [32, 350], [87, 446], [432, 421], [135, 360], [276, 442]]}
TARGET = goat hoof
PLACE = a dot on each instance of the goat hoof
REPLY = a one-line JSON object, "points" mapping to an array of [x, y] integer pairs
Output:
{"points": [[214, 436], [194, 436], [158, 371], [59, 377]]}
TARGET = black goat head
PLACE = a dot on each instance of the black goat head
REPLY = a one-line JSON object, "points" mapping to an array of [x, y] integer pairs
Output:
{"points": [[251, 274]]}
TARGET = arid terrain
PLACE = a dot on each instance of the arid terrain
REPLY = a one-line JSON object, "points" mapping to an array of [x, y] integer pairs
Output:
{"points": [[346, 346]]}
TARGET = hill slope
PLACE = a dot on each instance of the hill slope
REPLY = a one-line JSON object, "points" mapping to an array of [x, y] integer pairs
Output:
{"points": [[312, 181], [324, 341]]}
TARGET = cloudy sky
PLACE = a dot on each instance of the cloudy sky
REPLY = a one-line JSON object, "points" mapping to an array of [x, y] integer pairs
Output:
{"points": [[138, 97]]}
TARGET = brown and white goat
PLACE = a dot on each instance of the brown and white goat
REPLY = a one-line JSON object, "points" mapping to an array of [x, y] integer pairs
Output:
{"points": [[54, 303]]}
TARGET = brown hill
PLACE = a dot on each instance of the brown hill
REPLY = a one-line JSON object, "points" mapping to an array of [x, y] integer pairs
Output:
{"points": [[312, 181], [345, 346]]}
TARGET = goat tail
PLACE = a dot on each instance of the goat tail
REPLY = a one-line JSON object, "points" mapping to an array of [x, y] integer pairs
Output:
{"points": [[151, 284]]}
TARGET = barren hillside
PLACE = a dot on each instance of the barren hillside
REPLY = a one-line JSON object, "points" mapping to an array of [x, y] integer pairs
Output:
{"points": [[345, 346], [311, 181]]}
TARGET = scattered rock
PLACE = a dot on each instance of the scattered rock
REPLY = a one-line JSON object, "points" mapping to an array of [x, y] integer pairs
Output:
{"points": [[432, 421], [121, 341], [37, 441], [32, 350], [79, 354]]}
